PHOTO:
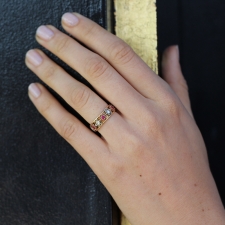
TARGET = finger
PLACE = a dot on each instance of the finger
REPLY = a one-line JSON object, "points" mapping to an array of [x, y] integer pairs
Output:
{"points": [[88, 145], [88, 104], [172, 74], [116, 52], [94, 68]]}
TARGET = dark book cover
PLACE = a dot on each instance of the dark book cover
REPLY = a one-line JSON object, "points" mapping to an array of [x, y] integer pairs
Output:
{"points": [[43, 180]]}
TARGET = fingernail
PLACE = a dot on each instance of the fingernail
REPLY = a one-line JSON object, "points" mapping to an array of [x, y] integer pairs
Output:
{"points": [[70, 19], [34, 58], [34, 90], [44, 33]]}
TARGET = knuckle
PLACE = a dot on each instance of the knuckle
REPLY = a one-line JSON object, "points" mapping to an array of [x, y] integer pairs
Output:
{"points": [[90, 31], [136, 146], [172, 106], [96, 67], [116, 169], [69, 130], [80, 97], [63, 45], [122, 53], [155, 124], [49, 72], [152, 120]]}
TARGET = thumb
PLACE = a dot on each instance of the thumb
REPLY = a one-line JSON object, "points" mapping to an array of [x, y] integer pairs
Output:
{"points": [[172, 74]]}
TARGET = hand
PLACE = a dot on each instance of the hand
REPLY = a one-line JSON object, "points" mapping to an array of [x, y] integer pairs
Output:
{"points": [[151, 157]]}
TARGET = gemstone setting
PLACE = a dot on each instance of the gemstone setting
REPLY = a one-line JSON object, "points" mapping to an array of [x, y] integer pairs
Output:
{"points": [[97, 123], [112, 108], [108, 112], [93, 127], [102, 118]]}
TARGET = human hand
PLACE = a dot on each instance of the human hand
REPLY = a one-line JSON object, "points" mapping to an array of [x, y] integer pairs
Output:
{"points": [[151, 157]]}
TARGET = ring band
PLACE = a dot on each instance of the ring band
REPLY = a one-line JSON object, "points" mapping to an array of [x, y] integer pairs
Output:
{"points": [[102, 118]]}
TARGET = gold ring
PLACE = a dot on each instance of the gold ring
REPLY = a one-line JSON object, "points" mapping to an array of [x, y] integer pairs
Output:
{"points": [[102, 118]]}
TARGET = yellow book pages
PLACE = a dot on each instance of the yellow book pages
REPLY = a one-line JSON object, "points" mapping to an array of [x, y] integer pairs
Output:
{"points": [[136, 24]]}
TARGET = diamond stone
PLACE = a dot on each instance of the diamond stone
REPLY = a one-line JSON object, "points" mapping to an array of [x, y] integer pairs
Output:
{"points": [[97, 123], [108, 112]]}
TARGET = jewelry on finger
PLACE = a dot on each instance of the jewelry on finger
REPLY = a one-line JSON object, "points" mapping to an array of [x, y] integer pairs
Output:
{"points": [[102, 118]]}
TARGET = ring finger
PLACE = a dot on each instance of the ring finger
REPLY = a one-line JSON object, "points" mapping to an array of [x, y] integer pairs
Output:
{"points": [[88, 104]]}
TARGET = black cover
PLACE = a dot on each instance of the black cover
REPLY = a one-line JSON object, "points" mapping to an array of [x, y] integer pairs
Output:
{"points": [[42, 178]]}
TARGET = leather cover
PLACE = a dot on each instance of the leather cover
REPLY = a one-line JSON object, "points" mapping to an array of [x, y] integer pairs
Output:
{"points": [[42, 179]]}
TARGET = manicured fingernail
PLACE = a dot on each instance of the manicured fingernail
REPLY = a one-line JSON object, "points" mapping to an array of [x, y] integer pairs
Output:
{"points": [[34, 58], [44, 33], [70, 19], [34, 90]]}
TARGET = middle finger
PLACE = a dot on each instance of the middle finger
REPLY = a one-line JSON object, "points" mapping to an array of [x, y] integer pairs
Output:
{"points": [[94, 68]]}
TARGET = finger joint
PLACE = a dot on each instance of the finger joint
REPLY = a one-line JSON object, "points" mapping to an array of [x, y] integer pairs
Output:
{"points": [[69, 130], [49, 72], [122, 53], [96, 68], [80, 97], [63, 45]]}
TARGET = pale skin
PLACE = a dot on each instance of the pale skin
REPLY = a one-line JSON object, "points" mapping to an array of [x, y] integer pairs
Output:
{"points": [[151, 156]]}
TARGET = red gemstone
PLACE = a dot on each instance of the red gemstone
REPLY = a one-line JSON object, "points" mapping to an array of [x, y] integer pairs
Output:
{"points": [[103, 117], [113, 109], [93, 127]]}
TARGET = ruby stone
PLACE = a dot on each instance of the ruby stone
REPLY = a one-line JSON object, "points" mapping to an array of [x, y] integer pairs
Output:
{"points": [[93, 127], [103, 117]]}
